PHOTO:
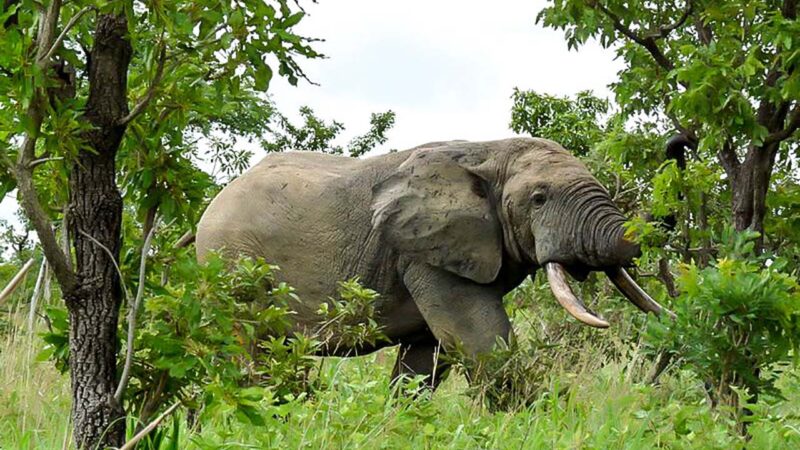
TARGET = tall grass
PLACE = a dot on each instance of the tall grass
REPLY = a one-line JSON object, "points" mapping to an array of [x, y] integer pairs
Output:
{"points": [[34, 396], [591, 398]]}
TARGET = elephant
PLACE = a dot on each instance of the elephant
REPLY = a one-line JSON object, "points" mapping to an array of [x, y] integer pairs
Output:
{"points": [[441, 231]]}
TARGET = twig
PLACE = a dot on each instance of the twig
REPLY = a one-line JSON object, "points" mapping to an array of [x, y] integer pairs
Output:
{"points": [[113, 261], [151, 90], [134, 308], [63, 35], [37, 292], [647, 42], [185, 240], [152, 402], [150, 427], [16, 281], [38, 162], [666, 30], [663, 361]]}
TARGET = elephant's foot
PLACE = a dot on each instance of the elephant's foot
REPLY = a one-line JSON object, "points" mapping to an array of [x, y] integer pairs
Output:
{"points": [[421, 358]]}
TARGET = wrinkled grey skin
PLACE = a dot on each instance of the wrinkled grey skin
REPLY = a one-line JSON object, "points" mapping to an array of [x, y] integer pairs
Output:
{"points": [[441, 231]]}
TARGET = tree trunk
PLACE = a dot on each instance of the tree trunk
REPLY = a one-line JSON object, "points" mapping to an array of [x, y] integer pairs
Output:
{"points": [[749, 183], [95, 218]]}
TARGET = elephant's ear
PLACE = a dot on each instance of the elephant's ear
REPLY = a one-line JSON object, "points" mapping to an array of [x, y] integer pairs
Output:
{"points": [[437, 211]]}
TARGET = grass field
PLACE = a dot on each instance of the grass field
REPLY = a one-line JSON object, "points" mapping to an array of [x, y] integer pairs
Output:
{"points": [[598, 403]]}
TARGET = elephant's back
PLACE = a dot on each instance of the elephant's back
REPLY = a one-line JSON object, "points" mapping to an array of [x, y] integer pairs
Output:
{"points": [[307, 213], [281, 190]]}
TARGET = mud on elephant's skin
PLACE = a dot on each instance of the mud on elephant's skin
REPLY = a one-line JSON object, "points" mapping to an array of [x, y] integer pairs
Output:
{"points": [[441, 231]]}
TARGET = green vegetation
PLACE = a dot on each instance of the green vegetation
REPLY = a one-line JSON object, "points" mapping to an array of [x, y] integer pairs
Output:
{"points": [[592, 394], [717, 214]]}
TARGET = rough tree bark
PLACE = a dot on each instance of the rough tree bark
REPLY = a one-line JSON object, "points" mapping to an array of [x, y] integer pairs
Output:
{"points": [[95, 218]]}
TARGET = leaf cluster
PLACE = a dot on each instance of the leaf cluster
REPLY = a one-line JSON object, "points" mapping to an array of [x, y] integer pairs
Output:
{"points": [[348, 322]]}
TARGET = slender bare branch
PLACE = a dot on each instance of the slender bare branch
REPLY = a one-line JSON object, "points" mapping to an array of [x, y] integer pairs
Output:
{"points": [[65, 237], [57, 43], [133, 310], [185, 240], [130, 445], [113, 261], [38, 162], [37, 293], [16, 281], [151, 90]]}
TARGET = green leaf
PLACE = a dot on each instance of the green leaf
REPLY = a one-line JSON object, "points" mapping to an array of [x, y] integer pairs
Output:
{"points": [[262, 76]]}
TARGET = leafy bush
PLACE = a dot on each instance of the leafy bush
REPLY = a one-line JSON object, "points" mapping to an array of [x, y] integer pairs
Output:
{"points": [[217, 336], [348, 322], [738, 322]]}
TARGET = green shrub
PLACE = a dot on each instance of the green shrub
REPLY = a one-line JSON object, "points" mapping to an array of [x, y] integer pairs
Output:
{"points": [[738, 322], [212, 336]]}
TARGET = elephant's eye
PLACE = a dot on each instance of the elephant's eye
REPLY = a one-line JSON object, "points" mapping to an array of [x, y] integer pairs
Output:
{"points": [[538, 199]]}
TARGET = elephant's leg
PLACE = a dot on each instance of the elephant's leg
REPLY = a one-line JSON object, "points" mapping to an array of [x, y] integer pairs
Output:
{"points": [[421, 358], [459, 312]]}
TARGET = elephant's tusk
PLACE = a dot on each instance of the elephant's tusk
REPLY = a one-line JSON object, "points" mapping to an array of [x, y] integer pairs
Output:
{"points": [[557, 277], [634, 293]]}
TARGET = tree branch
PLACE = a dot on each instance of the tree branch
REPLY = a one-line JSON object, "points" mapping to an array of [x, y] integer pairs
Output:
{"points": [[788, 130], [151, 90], [185, 240], [63, 35], [704, 31], [47, 29], [37, 293], [15, 282], [647, 42], [666, 30], [789, 9], [23, 173], [134, 309], [35, 212], [728, 159], [37, 162]]}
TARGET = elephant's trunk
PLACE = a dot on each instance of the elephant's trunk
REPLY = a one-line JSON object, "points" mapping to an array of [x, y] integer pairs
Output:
{"points": [[603, 246], [606, 245]]}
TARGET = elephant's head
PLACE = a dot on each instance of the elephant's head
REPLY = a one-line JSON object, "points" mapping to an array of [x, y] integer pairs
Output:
{"points": [[470, 208]]}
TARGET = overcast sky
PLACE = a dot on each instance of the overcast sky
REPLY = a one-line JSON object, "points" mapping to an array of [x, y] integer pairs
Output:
{"points": [[446, 67]]}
